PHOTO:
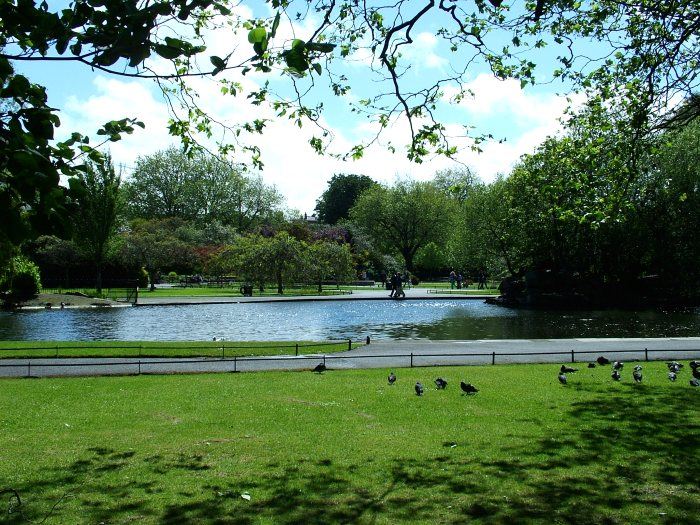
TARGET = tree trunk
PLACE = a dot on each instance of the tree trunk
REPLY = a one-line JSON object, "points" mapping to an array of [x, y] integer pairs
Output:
{"points": [[320, 286], [279, 283]]}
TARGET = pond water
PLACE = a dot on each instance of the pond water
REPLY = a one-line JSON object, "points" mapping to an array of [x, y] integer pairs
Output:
{"points": [[436, 319]]}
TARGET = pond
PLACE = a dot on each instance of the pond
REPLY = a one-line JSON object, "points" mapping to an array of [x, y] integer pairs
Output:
{"points": [[430, 319]]}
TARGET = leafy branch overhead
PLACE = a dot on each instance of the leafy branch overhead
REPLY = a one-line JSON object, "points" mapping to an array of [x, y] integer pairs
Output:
{"points": [[639, 55]]}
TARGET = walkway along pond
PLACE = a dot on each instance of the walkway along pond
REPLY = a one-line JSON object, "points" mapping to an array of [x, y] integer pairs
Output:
{"points": [[444, 319]]}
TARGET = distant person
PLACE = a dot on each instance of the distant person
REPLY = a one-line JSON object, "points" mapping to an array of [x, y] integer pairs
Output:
{"points": [[392, 281], [453, 278], [398, 292], [460, 278]]}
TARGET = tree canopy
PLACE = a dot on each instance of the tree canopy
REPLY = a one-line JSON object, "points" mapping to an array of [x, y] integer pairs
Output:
{"points": [[341, 194]]}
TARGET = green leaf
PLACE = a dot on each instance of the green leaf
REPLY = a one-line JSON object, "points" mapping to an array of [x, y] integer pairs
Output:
{"points": [[257, 35], [317, 68], [167, 51], [275, 25], [218, 63], [298, 44]]}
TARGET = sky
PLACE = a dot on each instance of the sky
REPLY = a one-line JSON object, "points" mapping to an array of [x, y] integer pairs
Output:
{"points": [[521, 118]]}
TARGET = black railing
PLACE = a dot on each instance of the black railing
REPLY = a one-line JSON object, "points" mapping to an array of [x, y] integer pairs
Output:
{"points": [[207, 364]]}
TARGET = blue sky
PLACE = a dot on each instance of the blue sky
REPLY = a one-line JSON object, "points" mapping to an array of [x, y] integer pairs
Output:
{"points": [[87, 99]]}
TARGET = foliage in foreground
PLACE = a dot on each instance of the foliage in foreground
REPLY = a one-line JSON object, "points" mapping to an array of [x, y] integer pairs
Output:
{"points": [[346, 447]]}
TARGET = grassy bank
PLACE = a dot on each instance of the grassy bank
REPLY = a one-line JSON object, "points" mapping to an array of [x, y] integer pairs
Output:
{"points": [[346, 447], [36, 349]]}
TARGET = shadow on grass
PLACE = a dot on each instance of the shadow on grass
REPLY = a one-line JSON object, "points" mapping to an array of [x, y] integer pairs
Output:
{"points": [[629, 455]]}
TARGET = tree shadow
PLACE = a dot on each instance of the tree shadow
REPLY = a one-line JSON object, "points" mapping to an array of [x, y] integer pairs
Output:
{"points": [[618, 457]]}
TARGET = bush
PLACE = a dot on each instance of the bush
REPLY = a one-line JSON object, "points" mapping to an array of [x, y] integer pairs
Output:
{"points": [[21, 279], [172, 278], [415, 281]]}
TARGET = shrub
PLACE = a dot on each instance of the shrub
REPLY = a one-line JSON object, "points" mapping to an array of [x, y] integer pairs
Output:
{"points": [[172, 278], [20, 278], [415, 281]]}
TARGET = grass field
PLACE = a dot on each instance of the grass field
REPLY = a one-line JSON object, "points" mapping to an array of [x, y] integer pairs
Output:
{"points": [[298, 447], [36, 349]]}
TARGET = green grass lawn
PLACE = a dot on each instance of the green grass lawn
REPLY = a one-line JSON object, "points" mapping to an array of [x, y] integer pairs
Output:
{"points": [[346, 447], [25, 349]]}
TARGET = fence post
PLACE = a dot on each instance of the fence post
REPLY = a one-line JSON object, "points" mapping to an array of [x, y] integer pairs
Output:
{"points": [[573, 359], [349, 344], [324, 359], [223, 351], [29, 368], [411, 359], [235, 364], [296, 349], [56, 350], [140, 350], [646, 354], [493, 358], [139, 366]]}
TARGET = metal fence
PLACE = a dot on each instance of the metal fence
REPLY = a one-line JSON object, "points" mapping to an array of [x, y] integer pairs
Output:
{"points": [[129, 366]]}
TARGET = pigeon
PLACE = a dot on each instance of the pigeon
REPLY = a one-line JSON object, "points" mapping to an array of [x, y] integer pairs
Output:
{"points": [[440, 383], [696, 373], [672, 376], [674, 367], [638, 367], [591, 365], [616, 375], [617, 365], [392, 378], [567, 369], [562, 378], [320, 368], [603, 361], [468, 388], [419, 388], [695, 382], [695, 365], [637, 375]]}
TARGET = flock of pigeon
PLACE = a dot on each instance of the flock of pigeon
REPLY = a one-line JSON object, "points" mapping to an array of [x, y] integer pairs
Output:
{"points": [[440, 383], [674, 368]]}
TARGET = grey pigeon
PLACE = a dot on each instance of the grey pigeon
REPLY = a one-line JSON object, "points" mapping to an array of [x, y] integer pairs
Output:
{"points": [[695, 382], [562, 378], [603, 361], [695, 364], [616, 375], [419, 388], [591, 365], [440, 383], [672, 376], [637, 375], [320, 368], [468, 388], [696, 373], [392, 378], [617, 365], [567, 369]]}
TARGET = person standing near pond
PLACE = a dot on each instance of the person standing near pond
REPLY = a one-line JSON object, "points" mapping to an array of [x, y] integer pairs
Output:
{"points": [[459, 281], [399, 286], [392, 281], [453, 276]]}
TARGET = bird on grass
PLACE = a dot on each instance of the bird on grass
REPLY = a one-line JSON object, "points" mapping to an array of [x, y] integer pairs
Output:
{"points": [[674, 366], [320, 368], [616, 375], [672, 376], [440, 383], [391, 378], [468, 388], [618, 365], [696, 373], [562, 378], [567, 369], [603, 361], [637, 374], [695, 365], [695, 382], [591, 365], [419, 388]]}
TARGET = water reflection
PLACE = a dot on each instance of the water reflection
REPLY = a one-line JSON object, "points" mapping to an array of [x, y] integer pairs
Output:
{"points": [[341, 320]]}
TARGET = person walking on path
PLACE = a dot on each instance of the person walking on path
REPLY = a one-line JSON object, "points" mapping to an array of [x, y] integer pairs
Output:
{"points": [[453, 276], [399, 293]]}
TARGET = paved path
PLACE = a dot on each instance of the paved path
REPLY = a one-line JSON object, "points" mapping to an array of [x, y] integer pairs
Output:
{"points": [[379, 354], [374, 294]]}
